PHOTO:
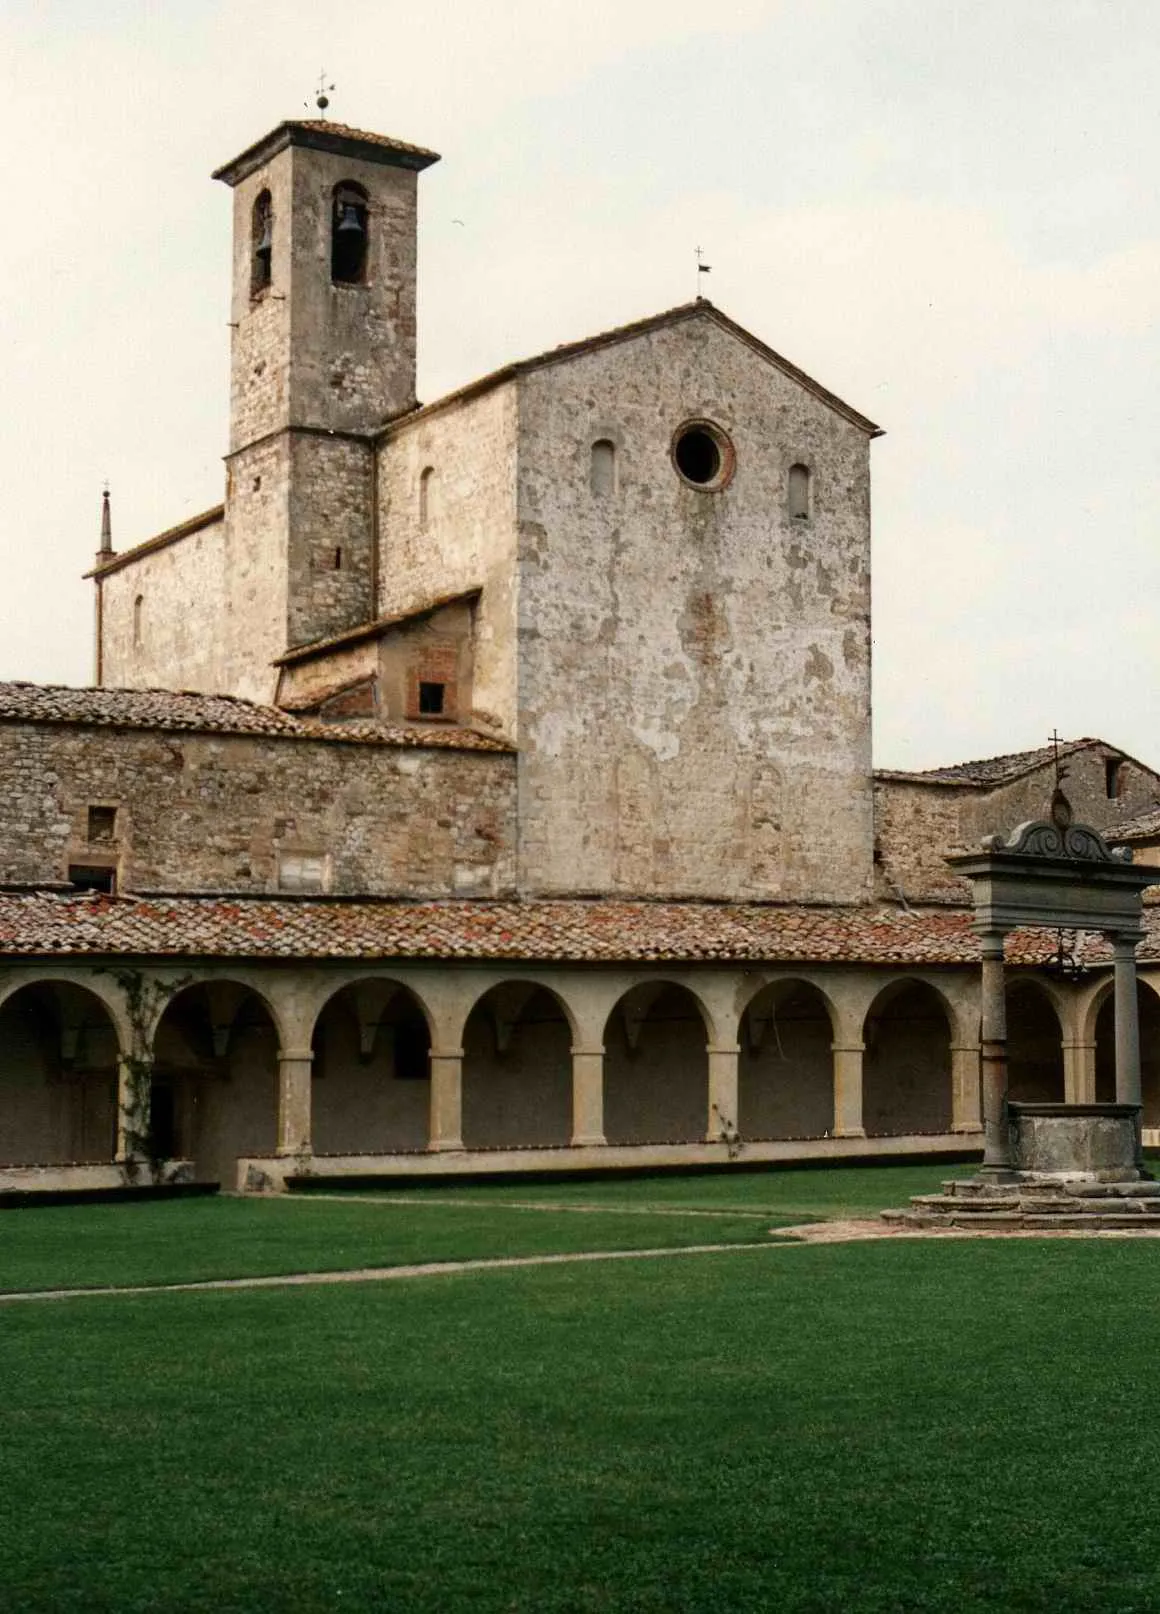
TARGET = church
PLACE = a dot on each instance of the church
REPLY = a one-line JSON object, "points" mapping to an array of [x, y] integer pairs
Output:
{"points": [[485, 785]]}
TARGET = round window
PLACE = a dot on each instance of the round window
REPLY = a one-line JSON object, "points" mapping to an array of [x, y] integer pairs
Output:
{"points": [[703, 455]]}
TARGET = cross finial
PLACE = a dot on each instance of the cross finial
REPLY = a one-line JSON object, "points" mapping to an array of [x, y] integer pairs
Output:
{"points": [[1054, 737], [321, 99], [703, 268]]}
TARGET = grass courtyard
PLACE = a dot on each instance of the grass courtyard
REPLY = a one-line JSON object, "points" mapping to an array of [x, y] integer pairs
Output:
{"points": [[904, 1425]]}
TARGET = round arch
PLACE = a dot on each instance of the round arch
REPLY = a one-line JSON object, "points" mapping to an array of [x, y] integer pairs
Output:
{"points": [[59, 1052], [215, 1076], [785, 1073], [1102, 1018], [517, 1068], [112, 1004], [371, 1089], [906, 1073], [656, 1065], [1034, 1043]]}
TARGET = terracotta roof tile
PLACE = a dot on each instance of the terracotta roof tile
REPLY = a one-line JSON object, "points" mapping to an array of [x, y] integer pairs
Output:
{"points": [[215, 714], [38, 924], [1144, 827]]}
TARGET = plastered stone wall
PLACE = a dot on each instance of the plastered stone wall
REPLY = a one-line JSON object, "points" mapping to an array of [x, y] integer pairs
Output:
{"points": [[182, 592], [467, 539], [917, 825], [694, 666], [201, 812]]}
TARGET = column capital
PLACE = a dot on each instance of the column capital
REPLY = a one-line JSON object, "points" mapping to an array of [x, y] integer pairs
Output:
{"points": [[847, 1047], [295, 1053], [1124, 942], [723, 1048], [447, 1053], [991, 942]]}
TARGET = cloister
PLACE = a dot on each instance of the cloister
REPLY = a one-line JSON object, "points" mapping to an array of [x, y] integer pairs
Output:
{"points": [[247, 1074]]}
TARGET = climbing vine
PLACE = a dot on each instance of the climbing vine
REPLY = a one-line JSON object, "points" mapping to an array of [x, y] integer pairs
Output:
{"points": [[728, 1134], [145, 1001]]}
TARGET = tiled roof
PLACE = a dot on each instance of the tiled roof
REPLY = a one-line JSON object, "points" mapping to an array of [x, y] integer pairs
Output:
{"points": [[160, 540], [378, 625], [214, 714], [323, 135], [701, 309], [1144, 827], [989, 771], [43, 923]]}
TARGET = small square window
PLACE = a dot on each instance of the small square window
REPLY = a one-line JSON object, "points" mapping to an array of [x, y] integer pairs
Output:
{"points": [[431, 699], [102, 824], [87, 878]]}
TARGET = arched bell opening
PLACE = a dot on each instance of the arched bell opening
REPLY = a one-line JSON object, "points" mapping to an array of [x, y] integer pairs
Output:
{"points": [[1149, 1007], [58, 1077], [372, 1071], [656, 1068], [907, 1066], [215, 1079], [1034, 1046], [517, 1069], [785, 1071]]}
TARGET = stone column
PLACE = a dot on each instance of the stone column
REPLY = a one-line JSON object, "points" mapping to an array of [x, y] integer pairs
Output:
{"points": [[294, 1070], [587, 1096], [966, 1093], [1128, 1089], [1079, 1072], [993, 1055], [446, 1129], [848, 1089], [134, 1097], [722, 1120]]}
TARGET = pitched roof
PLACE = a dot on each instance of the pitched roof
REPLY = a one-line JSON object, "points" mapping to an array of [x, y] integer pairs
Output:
{"points": [[321, 135], [1144, 827], [161, 540], [215, 714], [40, 924], [989, 772], [701, 309], [373, 629]]}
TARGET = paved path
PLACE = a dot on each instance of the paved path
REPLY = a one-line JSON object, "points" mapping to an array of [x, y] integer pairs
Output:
{"points": [[429, 1269]]}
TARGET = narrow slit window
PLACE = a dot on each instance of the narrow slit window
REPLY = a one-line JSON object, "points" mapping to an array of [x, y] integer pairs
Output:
{"points": [[262, 243], [1113, 778], [348, 236], [338, 558], [138, 615], [602, 474], [799, 492], [426, 495], [431, 698]]}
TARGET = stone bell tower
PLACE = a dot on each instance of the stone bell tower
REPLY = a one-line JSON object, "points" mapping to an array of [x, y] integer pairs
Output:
{"points": [[323, 353]]}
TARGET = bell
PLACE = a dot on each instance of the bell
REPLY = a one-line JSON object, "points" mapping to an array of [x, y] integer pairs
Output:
{"points": [[266, 245], [349, 222]]}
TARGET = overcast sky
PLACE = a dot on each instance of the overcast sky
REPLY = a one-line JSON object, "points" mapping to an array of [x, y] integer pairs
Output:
{"points": [[947, 213]]}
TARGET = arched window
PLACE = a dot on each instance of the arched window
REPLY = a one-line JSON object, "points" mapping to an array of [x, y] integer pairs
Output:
{"points": [[261, 243], [426, 495], [602, 475], [799, 492], [348, 235], [138, 612]]}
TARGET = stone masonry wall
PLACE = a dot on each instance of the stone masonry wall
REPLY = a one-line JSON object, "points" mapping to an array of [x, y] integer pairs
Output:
{"points": [[918, 824], [694, 666], [182, 592], [206, 812], [331, 585], [468, 539]]}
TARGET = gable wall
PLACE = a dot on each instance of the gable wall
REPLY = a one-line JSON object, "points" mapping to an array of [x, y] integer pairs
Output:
{"points": [[468, 539], [694, 666]]}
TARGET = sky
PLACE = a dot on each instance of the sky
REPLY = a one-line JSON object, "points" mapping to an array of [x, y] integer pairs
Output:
{"points": [[946, 213]]}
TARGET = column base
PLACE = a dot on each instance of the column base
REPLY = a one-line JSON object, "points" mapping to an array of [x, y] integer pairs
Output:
{"points": [[596, 1141], [968, 1128], [445, 1146], [848, 1132]]}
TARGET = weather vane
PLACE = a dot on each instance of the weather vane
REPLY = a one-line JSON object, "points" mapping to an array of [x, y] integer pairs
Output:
{"points": [[702, 269], [321, 99]]}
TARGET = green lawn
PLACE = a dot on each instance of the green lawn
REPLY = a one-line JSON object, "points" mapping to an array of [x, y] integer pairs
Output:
{"points": [[184, 1241], [876, 1428]]}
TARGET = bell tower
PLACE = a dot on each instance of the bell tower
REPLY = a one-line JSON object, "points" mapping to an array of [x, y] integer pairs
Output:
{"points": [[322, 355]]}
